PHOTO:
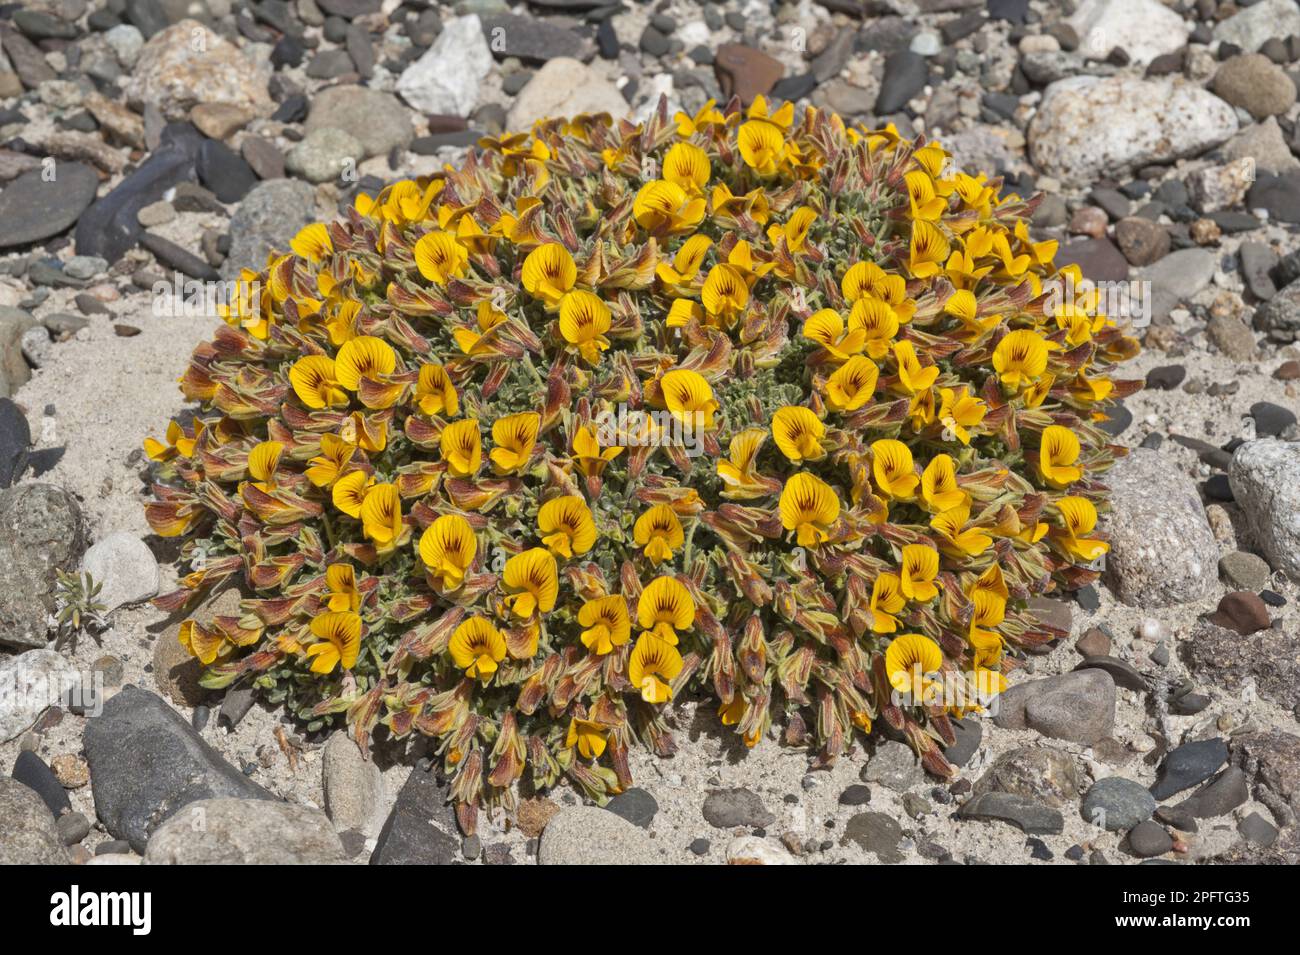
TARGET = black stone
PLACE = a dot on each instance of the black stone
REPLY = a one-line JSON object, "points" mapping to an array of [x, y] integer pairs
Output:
{"points": [[794, 87], [31, 771], [110, 227], [636, 806], [1270, 419], [421, 830], [235, 706], [1166, 377], [906, 73], [1189, 765], [224, 171], [15, 442], [147, 763], [173, 256]]}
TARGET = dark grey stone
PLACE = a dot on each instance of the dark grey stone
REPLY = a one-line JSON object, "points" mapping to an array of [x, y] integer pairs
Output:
{"points": [[727, 808], [33, 208], [147, 764], [1189, 765], [1117, 804], [421, 830], [1028, 815], [636, 806]]}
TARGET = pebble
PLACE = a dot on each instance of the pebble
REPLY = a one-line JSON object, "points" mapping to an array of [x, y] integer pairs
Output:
{"points": [[877, 833], [1265, 476], [26, 684], [1039, 773], [1117, 804], [636, 806], [72, 828], [125, 569], [1072, 706], [1242, 611], [728, 808], [1028, 815], [1149, 839], [30, 834], [753, 850], [421, 828], [1189, 765]]}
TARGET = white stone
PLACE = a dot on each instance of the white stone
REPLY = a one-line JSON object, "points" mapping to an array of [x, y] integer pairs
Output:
{"points": [[446, 78], [754, 850], [1088, 127], [1144, 29], [31, 683], [1265, 478], [564, 87], [1250, 27], [126, 42], [187, 64], [126, 568]]}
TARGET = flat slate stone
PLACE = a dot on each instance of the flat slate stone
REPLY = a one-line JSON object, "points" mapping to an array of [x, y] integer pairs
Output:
{"points": [[1188, 765], [1031, 817], [421, 830], [33, 209], [147, 764]]}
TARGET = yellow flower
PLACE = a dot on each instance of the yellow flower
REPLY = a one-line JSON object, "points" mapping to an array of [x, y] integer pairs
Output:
{"points": [[381, 515], [349, 492], [584, 320], [534, 582], [852, 385], [687, 166], [514, 438], [663, 207], [939, 488], [477, 647], [262, 462], [312, 242], [929, 248], [783, 117], [341, 581], [1078, 517], [204, 644], [653, 666], [567, 526], [659, 532], [909, 657], [725, 295], [795, 230], [316, 383], [886, 600], [862, 279], [708, 115], [877, 322], [1020, 358], [923, 202], [363, 357], [686, 262], [892, 467], [911, 376], [1057, 452], [487, 318], [689, 398], [178, 442], [590, 737], [447, 548], [959, 539], [920, 565], [826, 328], [339, 641], [549, 272], [461, 447], [434, 392], [762, 146], [588, 456], [737, 470], [960, 411], [798, 433], [809, 508], [664, 608], [440, 257], [606, 624]]}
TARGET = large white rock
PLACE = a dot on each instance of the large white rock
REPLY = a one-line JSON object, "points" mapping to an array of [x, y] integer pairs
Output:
{"points": [[446, 78], [1144, 29], [1162, 550], [1265, 478], [1249, 28], [125, 568], [1087, 126], [31, 683], [564, 87]]}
